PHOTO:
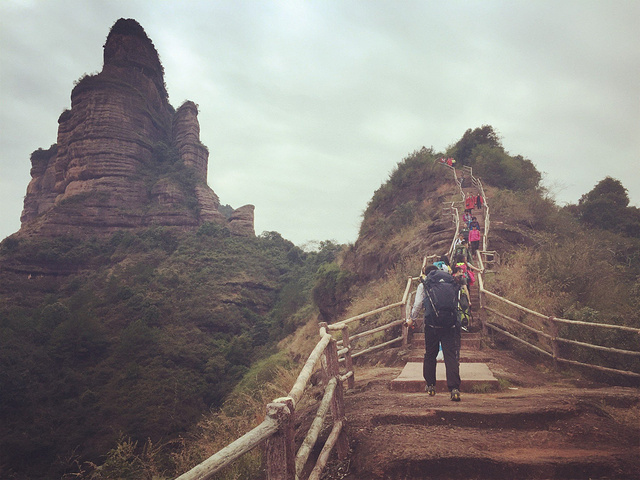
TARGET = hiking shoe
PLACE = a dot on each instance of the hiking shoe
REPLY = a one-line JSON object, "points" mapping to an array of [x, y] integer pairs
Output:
{"points": [[431, 390], [455, 395]]}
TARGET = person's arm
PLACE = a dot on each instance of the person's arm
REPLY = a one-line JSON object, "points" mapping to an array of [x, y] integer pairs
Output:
{"points": [[473, 267], [417, 303]]}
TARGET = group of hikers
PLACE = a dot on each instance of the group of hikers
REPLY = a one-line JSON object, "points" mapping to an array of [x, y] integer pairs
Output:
{"points": [[448, 161], [443, 293]]}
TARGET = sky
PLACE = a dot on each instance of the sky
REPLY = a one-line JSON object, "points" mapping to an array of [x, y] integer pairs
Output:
{"points": [[307, 106]]}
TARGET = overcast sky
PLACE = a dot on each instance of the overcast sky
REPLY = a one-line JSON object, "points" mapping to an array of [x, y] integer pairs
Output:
{"points": [[306, 106]]}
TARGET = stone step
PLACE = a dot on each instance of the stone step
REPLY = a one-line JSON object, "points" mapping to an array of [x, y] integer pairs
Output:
{"points": [[474, 376]]}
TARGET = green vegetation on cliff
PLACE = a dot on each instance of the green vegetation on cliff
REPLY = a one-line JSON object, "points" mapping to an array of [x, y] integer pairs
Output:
{"points": [[155, 328]]}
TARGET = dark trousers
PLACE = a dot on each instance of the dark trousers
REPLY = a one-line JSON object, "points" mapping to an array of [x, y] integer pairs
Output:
{"points": [[449, 338]]}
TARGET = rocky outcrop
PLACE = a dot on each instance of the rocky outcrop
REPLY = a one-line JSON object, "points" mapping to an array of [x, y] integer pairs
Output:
{"points": [[241, 221], [124, 158]]}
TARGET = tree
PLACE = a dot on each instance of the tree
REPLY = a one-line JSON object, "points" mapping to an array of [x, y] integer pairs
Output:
{"points": [[485, 135], [606, 207], [609, 190]]}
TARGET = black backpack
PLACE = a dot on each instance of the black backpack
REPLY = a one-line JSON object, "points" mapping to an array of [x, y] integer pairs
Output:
{"points": [[441, 299]]}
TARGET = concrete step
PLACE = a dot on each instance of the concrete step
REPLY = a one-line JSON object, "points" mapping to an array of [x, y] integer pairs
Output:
{"points": [[474, 376]]}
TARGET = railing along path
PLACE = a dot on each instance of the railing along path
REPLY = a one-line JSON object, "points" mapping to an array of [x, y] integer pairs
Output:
{"points": [[276, 432]]}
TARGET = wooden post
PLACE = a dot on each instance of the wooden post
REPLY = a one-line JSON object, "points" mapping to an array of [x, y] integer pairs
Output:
{"points": [[483, 316], [553, 330], [324, 376], [337, 404], [280, 449], [348, 361]]}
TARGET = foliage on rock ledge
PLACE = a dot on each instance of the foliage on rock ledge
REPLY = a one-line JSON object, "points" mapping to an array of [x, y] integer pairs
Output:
{"points": [[152, 330]]}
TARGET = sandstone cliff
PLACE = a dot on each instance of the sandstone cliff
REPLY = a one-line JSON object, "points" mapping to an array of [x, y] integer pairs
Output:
{"points": [[124, 157]]}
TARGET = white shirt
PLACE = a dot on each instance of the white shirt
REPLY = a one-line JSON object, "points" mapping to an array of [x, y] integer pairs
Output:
{"points": [[417, 303]]}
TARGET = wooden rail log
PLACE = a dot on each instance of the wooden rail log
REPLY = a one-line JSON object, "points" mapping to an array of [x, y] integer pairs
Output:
{"points": [[520, 324], [387, 326], [323, 458], [518, 339], [377, 347], [233, 451], [602, 369], [305, 374], [316, 426], [599, 347], [340, 325]]}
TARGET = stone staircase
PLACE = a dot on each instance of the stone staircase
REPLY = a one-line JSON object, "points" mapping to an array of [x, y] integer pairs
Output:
{"points": [[474, 372]]}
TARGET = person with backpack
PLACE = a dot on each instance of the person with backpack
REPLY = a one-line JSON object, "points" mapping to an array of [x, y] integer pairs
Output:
{"points": [[443, 264], [462, 250], [474, 223], [467, 267], [438, 294]]}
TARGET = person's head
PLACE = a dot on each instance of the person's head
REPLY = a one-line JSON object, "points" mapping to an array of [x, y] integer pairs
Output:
{"points": [[460, 259], [444, 259], [428, 269], [473, 218]]}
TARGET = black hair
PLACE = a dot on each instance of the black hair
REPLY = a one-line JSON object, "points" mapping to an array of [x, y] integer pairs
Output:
{"points": [[444, 259], [429, 269]]}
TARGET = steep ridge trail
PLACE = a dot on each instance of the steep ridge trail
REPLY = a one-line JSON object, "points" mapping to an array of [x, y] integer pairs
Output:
{"points": [[522, 421]]}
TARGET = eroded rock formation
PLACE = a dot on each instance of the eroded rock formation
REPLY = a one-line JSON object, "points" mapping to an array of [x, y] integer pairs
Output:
{"points": [[124, 158]]}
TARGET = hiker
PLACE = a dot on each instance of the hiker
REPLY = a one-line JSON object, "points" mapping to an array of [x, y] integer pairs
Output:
{"points": [[467, 267], [467, 218], [479, 202], [438, 295], [474, 222], [469, 203], [461, 249], [474, 239], [458, 241], [443, 264]]}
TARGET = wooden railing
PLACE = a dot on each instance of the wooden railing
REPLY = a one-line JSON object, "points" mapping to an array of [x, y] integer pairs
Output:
{"points": [[348, 352], [548, 329], [276, 432]]}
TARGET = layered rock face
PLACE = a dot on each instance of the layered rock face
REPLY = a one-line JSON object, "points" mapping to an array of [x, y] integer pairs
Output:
{"points": [[124, 158]]}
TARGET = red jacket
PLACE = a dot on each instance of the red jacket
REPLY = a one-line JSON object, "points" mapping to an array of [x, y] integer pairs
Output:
{"points": [[474, 235], [470, 203]]}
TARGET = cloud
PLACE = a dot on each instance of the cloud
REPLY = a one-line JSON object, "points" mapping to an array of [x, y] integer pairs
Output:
{"points": [[306, 107]]}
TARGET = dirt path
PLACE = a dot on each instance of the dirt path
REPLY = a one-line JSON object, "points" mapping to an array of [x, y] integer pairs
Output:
{"points": [[539, 425]]}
